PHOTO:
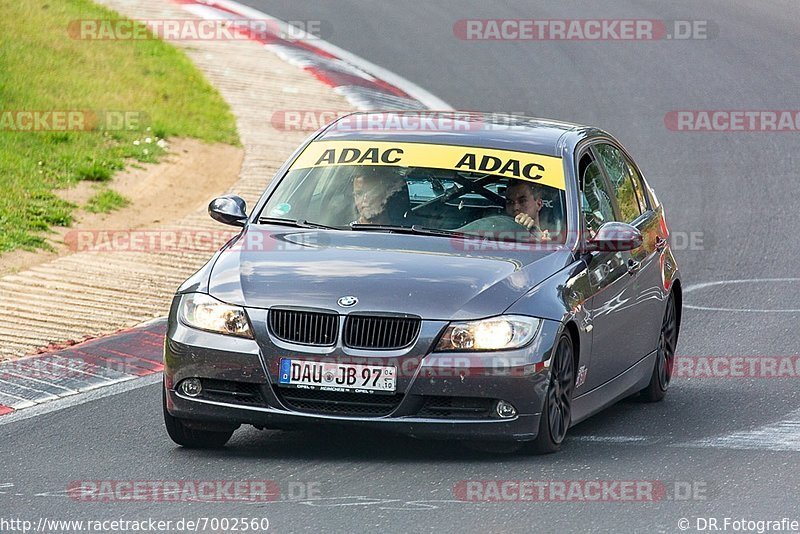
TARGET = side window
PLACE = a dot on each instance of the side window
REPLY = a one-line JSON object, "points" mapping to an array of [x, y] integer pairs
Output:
{"points": [[621, 176], [596, 203]]}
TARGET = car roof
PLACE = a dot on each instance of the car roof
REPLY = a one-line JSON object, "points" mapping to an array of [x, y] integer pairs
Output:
{"points": [[479, 129]]}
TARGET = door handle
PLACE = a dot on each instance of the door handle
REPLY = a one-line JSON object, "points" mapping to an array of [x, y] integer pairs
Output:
{"points": [[661, 243], [633, 266]]}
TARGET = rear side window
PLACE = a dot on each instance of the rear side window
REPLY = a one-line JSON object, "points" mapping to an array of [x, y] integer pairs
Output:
{"points": [[621, 174]]}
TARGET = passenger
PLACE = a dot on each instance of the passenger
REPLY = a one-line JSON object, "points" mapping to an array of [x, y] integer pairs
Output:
{"points": [[380, 196]]}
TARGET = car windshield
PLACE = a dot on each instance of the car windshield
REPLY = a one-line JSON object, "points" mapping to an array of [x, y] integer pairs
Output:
{"points": [[449, 200]]}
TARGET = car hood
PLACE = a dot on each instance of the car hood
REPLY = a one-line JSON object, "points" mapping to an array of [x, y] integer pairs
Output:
{"points": [[432, 277]]}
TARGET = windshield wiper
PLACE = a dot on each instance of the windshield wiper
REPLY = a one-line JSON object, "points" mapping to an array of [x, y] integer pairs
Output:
{"points": [[413, 229], [297, 223]]}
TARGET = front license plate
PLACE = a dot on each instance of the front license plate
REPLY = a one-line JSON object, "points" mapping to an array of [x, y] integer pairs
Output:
{"points": [[328, 376]]}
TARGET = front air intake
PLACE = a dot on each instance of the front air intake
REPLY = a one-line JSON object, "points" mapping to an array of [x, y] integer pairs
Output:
{"points": [[377, 332], [304, 327]]}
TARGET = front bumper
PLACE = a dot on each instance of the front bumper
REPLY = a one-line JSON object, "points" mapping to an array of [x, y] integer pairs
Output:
{"points": [[470, 384], [520, 428]]}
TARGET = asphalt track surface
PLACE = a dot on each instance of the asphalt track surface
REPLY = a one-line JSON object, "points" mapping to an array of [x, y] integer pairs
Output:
{"points": [[737, 190]]}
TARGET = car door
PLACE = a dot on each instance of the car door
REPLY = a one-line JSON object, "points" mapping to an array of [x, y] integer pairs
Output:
{"points": [[612, 286], [648, 304]]}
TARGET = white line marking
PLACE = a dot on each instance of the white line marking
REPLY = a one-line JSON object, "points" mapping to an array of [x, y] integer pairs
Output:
{"points": [[363, 500], [60, 493], [98, 385], [423, 505], [611, 439], [17, 397], [695, 287], [75, 400], [781, 436]]}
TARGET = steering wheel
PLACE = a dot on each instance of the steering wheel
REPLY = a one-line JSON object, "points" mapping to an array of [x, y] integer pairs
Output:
{"points": [[493, 223]]}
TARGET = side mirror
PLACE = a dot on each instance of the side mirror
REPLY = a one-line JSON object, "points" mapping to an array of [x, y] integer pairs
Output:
{"points": [[229, 209], [615, 237]]}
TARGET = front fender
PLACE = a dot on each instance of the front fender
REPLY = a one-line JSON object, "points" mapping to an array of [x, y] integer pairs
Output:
{"points": [[561, 298]]}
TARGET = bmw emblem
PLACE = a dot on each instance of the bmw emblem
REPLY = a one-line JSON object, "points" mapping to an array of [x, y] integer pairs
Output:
{"points": [[349, 300]]}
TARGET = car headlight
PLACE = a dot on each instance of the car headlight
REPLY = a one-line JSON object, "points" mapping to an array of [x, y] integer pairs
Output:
{"points": [[207, 313], [496, 333]]}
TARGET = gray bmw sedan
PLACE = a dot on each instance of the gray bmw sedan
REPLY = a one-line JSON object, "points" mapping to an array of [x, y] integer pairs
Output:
{"points": [[439, 274]]}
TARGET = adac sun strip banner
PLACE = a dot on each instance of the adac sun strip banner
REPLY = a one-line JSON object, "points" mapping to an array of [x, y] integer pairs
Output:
{"points": [[545, 170]]}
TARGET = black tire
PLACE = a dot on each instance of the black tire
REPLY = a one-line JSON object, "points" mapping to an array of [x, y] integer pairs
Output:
{"points": [[656, 390], [557, 409], [192, 438]]}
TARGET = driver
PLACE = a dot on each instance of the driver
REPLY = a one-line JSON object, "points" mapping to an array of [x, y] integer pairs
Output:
{"points": [[523, 203], [378, 195]]}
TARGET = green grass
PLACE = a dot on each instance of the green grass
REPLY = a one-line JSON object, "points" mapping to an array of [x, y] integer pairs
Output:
{"points": [[105, 201], [42, 68], [94, 173]]}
